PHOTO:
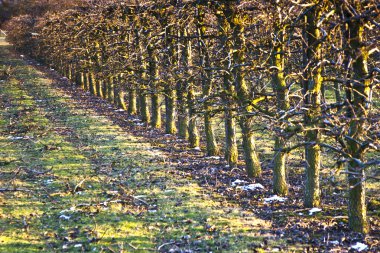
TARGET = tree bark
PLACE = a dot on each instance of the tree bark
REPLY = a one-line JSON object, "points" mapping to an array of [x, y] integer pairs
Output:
{"points": [[170, 93], [230, 149], [132, 102], [119, 95], [361, 89], [183, 116], [110, 89], [252, 162], [155, 97], [170, 100], [312, 86], [92, 81], [280, 185], [86, 81], [144, 105], [81, 80], [99, 87], [206, 79], [194, 138]]}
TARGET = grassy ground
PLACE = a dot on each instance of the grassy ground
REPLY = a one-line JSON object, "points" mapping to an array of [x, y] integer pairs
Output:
{"points": [[73, 181]]}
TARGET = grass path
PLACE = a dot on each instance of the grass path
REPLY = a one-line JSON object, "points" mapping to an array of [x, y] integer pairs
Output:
{"points": [[73, 181]]}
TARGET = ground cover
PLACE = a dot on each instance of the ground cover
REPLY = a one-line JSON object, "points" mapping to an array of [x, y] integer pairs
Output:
{"points": [[77, 174]]}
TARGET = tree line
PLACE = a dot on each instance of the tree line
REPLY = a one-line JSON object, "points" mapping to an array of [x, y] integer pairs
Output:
{"points": [[306, 70]]}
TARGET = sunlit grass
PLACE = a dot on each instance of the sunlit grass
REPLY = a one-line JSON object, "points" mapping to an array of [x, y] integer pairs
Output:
{"points": [[87, 162]]}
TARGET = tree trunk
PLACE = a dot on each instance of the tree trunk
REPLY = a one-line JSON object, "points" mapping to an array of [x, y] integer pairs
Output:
{"points": [[361, 89], [81, 80], [92, 80], [194, 138], [206, 79], [132, 102], [104, 88], [231, 150], [69, 72], [280, 185], [144, 106], [170, 99], [110, 89], [170, 94], [156, 110], [183, 116], [212, 146], [312, 86], [155, 97], [99, 87], [119, 95], [252, 161], [337, 88]]}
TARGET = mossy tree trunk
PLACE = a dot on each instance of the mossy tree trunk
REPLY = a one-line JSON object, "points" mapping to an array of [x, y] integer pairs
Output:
{"points": [[170, 93], [99, 87], [183, 116], [132, 93], [81, 80], [280, 185], [194, 138], [110, 89], [170, 113], [252, 162], [98, 63], [230, 148], [119, 93], [206, 79], [92, 82], [104, 87], [154, 87], [312, 99], [86, 81], [142, 76], [132, 101], [181, 87], [69, 72], [360, 106]]}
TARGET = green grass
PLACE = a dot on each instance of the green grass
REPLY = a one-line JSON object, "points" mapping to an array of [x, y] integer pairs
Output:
{"points": [[72, 163], [95, 173]]}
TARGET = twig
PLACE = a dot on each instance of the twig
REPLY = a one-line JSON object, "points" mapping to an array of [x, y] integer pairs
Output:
{"points": [[142, 201], [132, 246], [165, 244], [15, 175], [36, 172], [25, 224], [137, 248], [14, 190], [78, 185], [340, 217]]}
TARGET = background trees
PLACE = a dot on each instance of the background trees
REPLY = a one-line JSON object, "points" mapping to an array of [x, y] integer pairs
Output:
{"points": [[307, 71]]}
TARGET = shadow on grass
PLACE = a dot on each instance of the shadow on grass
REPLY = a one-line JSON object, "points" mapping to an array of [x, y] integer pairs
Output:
{"points": [[103, 192]]}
